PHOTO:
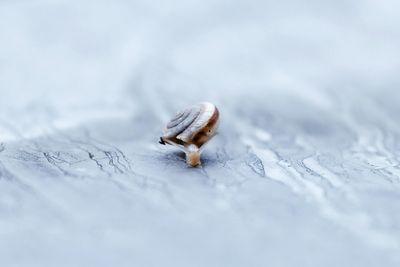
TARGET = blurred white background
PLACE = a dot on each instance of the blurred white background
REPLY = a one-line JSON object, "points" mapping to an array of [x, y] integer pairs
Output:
{"points": [[68, 58]]}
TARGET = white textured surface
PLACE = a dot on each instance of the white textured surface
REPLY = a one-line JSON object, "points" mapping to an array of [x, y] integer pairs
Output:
{"points": [[305, 169]]}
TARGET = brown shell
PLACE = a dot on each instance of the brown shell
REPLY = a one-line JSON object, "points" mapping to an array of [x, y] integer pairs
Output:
{"points": [[195, 125]]}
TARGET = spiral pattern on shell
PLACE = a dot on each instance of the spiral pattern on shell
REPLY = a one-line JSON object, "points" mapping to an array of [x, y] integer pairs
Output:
{"points": [[198, 122]]}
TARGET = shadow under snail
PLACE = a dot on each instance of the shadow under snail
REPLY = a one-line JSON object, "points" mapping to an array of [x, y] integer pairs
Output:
{"points": [[191, 129]]}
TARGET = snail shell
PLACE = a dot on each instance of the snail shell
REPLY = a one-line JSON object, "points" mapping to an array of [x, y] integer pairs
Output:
{"points": [[191, 129]]}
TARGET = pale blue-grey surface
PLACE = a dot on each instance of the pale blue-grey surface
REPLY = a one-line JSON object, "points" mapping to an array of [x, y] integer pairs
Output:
{"points": [[305, 169]]}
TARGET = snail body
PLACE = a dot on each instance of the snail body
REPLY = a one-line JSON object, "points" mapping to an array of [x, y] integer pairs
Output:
{"points": [[191, 129]]}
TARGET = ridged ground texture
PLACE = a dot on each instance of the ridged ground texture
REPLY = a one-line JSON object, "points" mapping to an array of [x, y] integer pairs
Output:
{"points": [[305, 168]]}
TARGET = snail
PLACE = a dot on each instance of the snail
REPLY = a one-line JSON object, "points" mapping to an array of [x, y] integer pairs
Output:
{"points": [[191, 129]]}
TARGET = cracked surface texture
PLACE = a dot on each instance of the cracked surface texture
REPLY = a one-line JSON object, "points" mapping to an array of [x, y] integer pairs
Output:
{"points": [[305, 168]]}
